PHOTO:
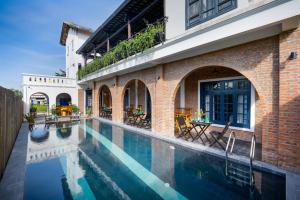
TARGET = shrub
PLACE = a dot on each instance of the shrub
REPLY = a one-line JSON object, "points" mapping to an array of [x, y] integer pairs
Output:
{"points": [[75, 108]]}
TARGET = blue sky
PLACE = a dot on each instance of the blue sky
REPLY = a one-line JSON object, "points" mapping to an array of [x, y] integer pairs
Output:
{"points": [[30, 31]]}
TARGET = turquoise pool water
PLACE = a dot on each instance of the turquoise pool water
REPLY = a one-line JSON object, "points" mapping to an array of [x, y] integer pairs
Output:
{"points": [[94, 160]]}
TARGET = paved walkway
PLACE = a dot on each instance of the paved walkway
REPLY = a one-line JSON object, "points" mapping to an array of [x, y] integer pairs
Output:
{"points": [[12, 183]]}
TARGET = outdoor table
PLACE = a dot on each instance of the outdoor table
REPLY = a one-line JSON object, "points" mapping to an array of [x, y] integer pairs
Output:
{"points": [[137, 116], [203, 126]]}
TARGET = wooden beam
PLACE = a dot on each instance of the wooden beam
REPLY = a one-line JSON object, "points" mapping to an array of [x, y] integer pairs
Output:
{"points": [[107, 45], [126, 25], [129, 29]]}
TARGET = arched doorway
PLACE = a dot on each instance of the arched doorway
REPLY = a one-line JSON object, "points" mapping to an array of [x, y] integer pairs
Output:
{"points": [[105, 102], [137, 104], [63, 104], [217, 95], [63, 99], [39, 103]]}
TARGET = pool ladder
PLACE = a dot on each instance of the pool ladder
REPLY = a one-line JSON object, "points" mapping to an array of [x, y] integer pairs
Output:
{"points": [[237, 172]]}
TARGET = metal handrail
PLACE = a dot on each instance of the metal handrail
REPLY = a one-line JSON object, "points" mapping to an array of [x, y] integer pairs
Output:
{"points": [[252, 154], [231, 138]]}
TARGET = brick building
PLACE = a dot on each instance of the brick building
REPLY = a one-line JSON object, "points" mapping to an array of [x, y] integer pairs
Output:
{"points": [[236, 59]]}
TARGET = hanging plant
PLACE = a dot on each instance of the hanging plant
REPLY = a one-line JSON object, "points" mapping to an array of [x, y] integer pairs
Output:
{"points": [[139, 43]]}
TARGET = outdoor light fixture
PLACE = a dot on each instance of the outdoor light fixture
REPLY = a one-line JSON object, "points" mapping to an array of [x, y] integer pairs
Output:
{"points": [[293, 55]]}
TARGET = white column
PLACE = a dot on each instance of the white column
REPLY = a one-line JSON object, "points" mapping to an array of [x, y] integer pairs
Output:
{"points": [[182, 94], [136, 93]]}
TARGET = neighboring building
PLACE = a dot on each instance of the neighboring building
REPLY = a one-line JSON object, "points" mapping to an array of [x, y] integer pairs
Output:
{"points": [[55, 89], [235, 59]]}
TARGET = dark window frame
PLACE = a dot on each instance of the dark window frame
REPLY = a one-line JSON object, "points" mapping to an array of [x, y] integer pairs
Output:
{"points": [[216, 13], [235, 92]]}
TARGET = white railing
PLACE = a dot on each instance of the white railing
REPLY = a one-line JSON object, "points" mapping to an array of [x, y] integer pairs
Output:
{"points": [[44, 80]]}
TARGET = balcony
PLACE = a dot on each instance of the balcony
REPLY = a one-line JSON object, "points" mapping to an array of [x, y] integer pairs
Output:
{"points": [[147, 38], [44, 80]]}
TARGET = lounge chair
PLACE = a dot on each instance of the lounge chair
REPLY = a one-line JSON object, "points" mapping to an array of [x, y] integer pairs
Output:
{"points": [[183, 128], [219, 136]]}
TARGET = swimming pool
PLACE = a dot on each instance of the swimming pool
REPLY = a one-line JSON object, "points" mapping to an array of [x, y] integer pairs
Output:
{"points": [[96, 160]]}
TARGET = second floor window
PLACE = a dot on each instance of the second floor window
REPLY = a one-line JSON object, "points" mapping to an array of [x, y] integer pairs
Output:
{"points": [[199, 11]]}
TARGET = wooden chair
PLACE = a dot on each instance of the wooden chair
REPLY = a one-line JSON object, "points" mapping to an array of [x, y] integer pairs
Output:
{"points": [[146, 121], [183, 128], [219, 136]]}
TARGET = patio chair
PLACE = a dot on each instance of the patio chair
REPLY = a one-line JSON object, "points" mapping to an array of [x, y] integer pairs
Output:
{"points": [[146, 121], [183, 128], [219, 136], [130, 117]]}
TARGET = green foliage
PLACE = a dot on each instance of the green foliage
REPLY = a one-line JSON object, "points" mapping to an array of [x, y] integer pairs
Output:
{"points": [[33, 109], [89, 111], [75, 108], [39, 108], [139, 43], [29, 118], [53, 109], [18, 93]]}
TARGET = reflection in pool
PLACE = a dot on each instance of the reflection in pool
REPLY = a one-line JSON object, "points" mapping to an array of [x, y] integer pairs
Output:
{"points": [[100, 161], [63, 130], [39, 134]]}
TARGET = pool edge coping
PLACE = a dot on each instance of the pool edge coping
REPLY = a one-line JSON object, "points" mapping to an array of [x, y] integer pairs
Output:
{"points": [[12, 182], [199, 147], [292, 189]]}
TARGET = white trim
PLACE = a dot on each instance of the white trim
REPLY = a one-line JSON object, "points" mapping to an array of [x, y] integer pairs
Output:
{"points": [[252, 103], [222, 79], [136, 94], [182, 94]]}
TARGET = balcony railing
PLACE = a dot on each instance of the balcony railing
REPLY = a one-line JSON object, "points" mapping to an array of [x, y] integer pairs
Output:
{"points": [[44, 80], [152, 35]]}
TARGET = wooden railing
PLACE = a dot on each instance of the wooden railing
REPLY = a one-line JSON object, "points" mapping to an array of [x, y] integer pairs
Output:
{"points": [[11, 118]]}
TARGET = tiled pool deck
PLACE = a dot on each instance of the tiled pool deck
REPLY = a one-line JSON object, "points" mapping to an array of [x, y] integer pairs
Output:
{"points": [[12, 183]]}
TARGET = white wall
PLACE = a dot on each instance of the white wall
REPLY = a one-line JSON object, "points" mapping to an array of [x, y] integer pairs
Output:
{"points": [[74, 41], [175, 10], [49, 85]]}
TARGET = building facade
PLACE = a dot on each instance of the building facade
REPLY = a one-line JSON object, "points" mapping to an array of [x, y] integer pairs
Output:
{"points": [[58, 90], [236, 60]]}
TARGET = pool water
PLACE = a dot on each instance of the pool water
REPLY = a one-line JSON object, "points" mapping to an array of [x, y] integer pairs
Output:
{"points": [[95, 160]]}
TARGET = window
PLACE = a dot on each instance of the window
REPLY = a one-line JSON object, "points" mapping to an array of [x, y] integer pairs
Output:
{"points": [[227, 100], [199, 11]]}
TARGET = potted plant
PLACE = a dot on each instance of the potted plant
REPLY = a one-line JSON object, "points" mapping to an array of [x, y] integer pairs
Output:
{"points": [[75, 109], [30, 119], [89, 112]]}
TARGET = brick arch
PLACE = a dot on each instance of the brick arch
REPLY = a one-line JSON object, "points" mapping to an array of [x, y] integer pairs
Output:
{"points": [[125, 86], [260, 94], [202, 67], [100, 89], [123, 89]]}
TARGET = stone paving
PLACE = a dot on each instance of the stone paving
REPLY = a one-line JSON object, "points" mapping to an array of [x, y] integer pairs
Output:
{"points": [[12, 183]]}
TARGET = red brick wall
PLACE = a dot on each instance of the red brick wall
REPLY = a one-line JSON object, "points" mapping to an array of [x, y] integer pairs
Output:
{"points": [[289, 101], [259, 62], [81, 94]]}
